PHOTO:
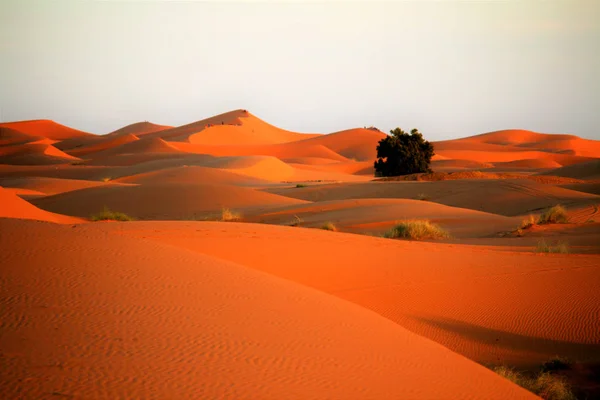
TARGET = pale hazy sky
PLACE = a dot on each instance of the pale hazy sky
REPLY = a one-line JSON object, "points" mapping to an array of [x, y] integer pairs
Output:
{"points": [[449, 68]]}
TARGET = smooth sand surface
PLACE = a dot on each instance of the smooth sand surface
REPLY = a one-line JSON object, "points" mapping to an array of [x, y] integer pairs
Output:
{"points": [[44, 128], [178, 305], [148, 320], [491, 306], [507, 197], [161, 201]]}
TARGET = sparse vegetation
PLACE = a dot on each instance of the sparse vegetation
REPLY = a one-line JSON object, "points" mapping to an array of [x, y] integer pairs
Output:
{"points": [[301, 185], [230, 215], [557, 364], [329, 226], [417, 230], [422, 197], [528, 222], [544, 384], [545, 247], [555, 215], [296, 221], [107, 215], [403, 153]]}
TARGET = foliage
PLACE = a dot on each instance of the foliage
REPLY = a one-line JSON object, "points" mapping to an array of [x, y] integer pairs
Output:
{"points": [[403, 153]]}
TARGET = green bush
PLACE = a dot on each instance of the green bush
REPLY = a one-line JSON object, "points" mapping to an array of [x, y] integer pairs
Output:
{"points": [[403, 153]]}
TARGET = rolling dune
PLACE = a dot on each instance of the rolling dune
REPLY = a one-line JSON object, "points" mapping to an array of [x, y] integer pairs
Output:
{"points": [[45, 128], [147, 320], [508, 197], [34, 154], [15, 207], [161, 201], [469, 298]]}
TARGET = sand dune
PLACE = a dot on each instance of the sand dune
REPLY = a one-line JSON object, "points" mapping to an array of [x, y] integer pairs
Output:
{"points": [[588, 170], [193, 175], [34, 154], [469, 298], [50, 186], [359, 144], [235, 127], [13, 137], [15, 207], [139, 129], [513, 139], [376, 216], [199, 328], [44, 128], [161, 201], [507, 197], [102, 143]]}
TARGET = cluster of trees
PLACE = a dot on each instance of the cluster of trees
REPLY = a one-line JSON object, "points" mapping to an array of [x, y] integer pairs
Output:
{"points": [[403, 153]]}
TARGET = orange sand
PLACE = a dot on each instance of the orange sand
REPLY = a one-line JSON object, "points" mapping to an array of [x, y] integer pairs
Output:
{"points": [[177, 306]]}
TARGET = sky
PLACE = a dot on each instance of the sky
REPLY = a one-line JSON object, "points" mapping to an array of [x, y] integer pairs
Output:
{"points": [[449, 68]]}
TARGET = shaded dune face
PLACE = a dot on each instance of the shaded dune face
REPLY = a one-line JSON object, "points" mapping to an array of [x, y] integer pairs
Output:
{"points": [[180, 304]]}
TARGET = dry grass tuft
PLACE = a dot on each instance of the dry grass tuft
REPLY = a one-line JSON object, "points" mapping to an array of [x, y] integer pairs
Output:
{"points": [[528, 222], [417, 230], [329, 226], [229, 215], [108, 215], [555, 215], [545, 385], [558, 247]]}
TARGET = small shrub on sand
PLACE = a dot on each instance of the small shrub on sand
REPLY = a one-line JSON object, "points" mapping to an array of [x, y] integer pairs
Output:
{"points": [[301, 185], [545, 247], [106, 179], [528, 222], [545, 385], [108, 215], [557, 364], [296, 221], [417, 230], [422, 197], [555, 215], [329, 226], [229, 215]]}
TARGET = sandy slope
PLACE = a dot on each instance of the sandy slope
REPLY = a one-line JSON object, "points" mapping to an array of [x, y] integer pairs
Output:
{"points": [[193, 175], [507, 197], [491, 306], [34, 153], [162, 201], [376, 216], [147, 320], [15, 207], [50, 186], [44, 128], [587, 170]]}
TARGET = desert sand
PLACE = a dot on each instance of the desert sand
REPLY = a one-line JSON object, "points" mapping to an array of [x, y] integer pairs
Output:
{"points": [[180, 304]]}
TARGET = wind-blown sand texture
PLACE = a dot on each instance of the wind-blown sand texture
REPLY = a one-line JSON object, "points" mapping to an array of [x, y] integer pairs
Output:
{"points": [[181, 305]]}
